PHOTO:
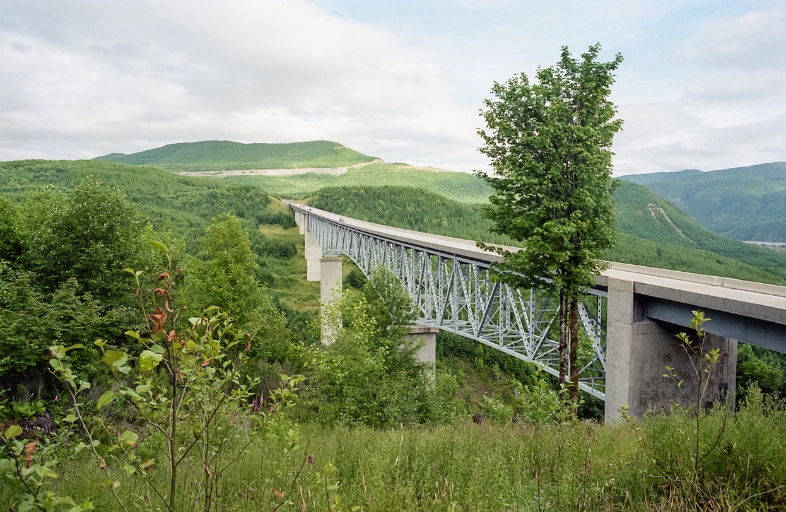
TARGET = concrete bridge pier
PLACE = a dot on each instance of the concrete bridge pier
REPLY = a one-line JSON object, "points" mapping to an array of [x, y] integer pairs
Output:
{"points": [[427, 337], [300, 220], [313, 256], [639, 349], [329, 291]]}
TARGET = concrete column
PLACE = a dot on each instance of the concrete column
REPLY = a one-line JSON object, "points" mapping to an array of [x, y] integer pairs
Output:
{"points": [[637, 352], [329, 291], [427, 337], [313, 255], [301, 226]]}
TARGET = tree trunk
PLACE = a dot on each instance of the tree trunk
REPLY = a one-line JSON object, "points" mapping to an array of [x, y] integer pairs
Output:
{"points": [[573, 354], [563, 338]]}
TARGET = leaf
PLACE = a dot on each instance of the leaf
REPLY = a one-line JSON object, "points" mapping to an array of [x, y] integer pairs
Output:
{"points": [[115, 358], [128, 438], [158, 245], [81, 508], [106, 398], [13, 431], [148, 360], [74, 347]]}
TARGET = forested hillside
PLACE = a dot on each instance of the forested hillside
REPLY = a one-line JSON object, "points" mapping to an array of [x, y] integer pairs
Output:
{"points": [[412, 208], [744, 203], [645, 215], [170, 202], [226, 155]]}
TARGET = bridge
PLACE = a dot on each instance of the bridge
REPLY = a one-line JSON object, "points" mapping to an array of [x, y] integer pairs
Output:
{"points": [[629, 319]]}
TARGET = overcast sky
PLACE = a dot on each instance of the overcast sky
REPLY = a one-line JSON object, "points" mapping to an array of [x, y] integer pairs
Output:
{"points": [[703, 84]]}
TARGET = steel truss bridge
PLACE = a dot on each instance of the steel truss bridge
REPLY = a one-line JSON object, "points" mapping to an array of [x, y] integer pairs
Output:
{"points": [[450, 283]]}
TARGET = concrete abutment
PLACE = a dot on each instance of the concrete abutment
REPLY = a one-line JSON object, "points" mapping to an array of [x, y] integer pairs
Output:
{"points": [[638, 351]]}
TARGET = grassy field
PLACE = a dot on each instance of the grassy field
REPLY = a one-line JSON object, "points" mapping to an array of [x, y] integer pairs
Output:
{"points": [[218, 155], [462, 187]]}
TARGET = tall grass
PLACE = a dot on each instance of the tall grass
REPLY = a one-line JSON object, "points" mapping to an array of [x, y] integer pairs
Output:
{"points": [[464, 466]]}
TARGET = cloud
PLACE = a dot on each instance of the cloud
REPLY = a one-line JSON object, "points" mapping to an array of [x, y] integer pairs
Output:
{"points": [[83, 78]]}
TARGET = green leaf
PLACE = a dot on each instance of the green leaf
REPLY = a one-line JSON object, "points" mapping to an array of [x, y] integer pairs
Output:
{"points": [[106, 398], [74, 347], [13, 431], [158, 245], [128, 438], [115, 358], [81, 508], [148, 360]]}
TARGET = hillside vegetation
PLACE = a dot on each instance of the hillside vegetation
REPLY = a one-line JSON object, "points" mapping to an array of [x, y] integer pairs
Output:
{"points": [[178, 203], [744, 203], [457, 186], [411, 208], [225, 155]]}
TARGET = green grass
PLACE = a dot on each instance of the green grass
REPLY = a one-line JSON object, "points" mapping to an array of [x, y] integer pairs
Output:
{"points": [[745, 203], [226, 155], [495, 467], [462, 187]]}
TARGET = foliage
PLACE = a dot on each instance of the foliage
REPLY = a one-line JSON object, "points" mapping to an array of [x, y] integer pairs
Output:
{"points": [[745, 203], [87, 234], [215, 155], [495, 467], [764, 367], [226, 275], [23, 471], [191, 407], [369, 373], [550, 147], [30, 320]]}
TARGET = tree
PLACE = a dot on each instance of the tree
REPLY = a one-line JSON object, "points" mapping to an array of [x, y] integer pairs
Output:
{"points": [[550, 146]]}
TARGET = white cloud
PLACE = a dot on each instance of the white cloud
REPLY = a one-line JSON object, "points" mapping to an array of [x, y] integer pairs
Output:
{"points": [[84, 78], [80, 78]]}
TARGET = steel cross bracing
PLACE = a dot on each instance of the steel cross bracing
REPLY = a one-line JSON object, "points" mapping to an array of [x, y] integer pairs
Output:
{"points": [[457, 294]]}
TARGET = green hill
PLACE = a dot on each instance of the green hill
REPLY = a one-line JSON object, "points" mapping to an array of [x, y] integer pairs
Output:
{"points": [[222, 155], [744, 203], [646, 239], [458, 186], [181, 204]]}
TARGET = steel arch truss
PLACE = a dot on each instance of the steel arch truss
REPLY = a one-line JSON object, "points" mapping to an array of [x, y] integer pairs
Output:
{"points": [[457, 294]]}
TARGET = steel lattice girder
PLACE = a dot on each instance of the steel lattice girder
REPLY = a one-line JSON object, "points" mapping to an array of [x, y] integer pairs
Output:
{"points": [[457, 294]]}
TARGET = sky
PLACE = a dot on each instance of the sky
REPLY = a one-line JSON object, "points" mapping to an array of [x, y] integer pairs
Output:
{"points": [[702, 85]]}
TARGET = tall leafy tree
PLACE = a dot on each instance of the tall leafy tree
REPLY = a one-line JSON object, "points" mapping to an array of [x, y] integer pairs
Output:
{"points": [[549, 142]]}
